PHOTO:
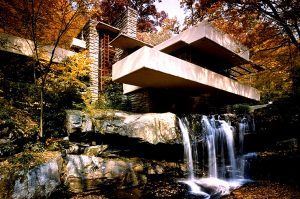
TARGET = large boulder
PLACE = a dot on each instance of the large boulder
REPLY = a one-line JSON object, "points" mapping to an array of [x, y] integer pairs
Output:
{"points": [[86, 173], [153, 128], [78, 121], [39, 182]]}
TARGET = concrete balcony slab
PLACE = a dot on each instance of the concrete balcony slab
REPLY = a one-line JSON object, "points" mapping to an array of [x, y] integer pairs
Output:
{"points": [[78, 43], [150, 68], [206, 39], [25, 47]]}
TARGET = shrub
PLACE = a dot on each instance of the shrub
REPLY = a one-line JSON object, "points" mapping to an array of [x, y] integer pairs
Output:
{"points": [[34, 147], [113, 98], [241, 108], [25, 158], [114, 93]]}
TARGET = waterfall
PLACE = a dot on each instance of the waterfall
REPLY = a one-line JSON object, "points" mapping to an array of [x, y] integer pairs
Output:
{"points": [[225, 166], [195, 189], [187, 148], [219, 136]]}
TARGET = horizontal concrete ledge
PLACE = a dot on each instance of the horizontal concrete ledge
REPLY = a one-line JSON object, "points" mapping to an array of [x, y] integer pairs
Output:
{"points": [[150, 68], [206, 38], [125, 42], [25, 47]]}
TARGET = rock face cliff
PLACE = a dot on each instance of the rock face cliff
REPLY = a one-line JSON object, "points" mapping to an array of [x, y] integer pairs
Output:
{"points": [[153, 128], [86, 173], [81, 173], [39, 182]]}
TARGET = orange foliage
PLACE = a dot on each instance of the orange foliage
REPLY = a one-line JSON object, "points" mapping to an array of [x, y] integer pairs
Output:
{"points": [[43, 20], [168, 27], [270, 45]]}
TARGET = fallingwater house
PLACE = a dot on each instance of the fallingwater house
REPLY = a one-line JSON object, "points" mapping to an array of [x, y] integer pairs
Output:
{"points": [[194, 69]]}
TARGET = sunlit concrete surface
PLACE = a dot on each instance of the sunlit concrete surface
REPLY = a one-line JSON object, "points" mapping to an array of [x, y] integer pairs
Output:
{"points": [[206, 38], [125, 42], [150, 68], [78, 43], [25, 47]]}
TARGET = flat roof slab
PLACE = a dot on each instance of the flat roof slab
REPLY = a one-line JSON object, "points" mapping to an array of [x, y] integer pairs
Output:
{"points": [[25, 47], [209, 40], [106, 27], [125, 42], [150, 68]]}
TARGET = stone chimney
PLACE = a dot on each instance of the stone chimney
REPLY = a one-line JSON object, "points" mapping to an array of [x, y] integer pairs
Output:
{"points": [[127, 22], [91, 37]]}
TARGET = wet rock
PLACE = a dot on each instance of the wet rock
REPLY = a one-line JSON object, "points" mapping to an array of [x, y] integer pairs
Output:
{"points": [[73, 149], [150, 127], [4, 141], [217, 187], [138, 168], [289, 144]]}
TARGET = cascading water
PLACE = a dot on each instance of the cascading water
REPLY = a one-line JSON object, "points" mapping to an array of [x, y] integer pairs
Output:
{"points": [[189, 158], [187, 148], [225, 171]]}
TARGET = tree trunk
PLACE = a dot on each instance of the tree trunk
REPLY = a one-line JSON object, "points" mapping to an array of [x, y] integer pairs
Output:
{"points": [[41, 131]]}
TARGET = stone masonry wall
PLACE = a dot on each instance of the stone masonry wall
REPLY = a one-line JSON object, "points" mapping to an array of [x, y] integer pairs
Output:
{"points": [[127, 22], [92, 39], [140, 101]]}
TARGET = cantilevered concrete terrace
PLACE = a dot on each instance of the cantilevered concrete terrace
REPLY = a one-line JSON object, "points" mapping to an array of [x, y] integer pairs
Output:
{"points": [[150, 68], [205, 69], [25, 47], [205, 39]]}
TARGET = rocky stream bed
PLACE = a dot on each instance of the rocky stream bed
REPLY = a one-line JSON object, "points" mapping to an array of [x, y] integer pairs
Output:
{"points": [[121, 155]]}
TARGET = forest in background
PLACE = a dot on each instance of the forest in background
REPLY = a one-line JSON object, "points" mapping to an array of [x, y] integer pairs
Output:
{"points": [[40, 91]]}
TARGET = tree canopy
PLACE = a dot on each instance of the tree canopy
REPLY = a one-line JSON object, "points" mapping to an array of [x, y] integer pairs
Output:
{"points": [[148, 16], [269, 28]]}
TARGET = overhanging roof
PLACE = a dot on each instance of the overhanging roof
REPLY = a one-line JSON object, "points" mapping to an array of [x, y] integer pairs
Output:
{"points": [[165, 71], [208, 40], [125, 42], [25, 47], [106, 27]]}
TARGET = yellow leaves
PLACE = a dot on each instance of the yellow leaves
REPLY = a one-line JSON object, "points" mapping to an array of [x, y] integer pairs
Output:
{"points": [[169, 25], [78, 65], [70, 73], [45, 21]]}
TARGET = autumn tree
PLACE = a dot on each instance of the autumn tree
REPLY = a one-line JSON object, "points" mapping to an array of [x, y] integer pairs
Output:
{"points": [[148, 16], [189, 7], [168, 27], [48, 24], [66, 88], [269, 29], [283, 15]]}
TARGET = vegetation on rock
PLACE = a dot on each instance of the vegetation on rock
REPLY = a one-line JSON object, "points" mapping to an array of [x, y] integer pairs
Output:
{"points": [[16, 127]]}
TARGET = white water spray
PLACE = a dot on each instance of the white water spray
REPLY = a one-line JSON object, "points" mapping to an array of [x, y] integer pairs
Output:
{"points": [[224, 171], [187, 148]]}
